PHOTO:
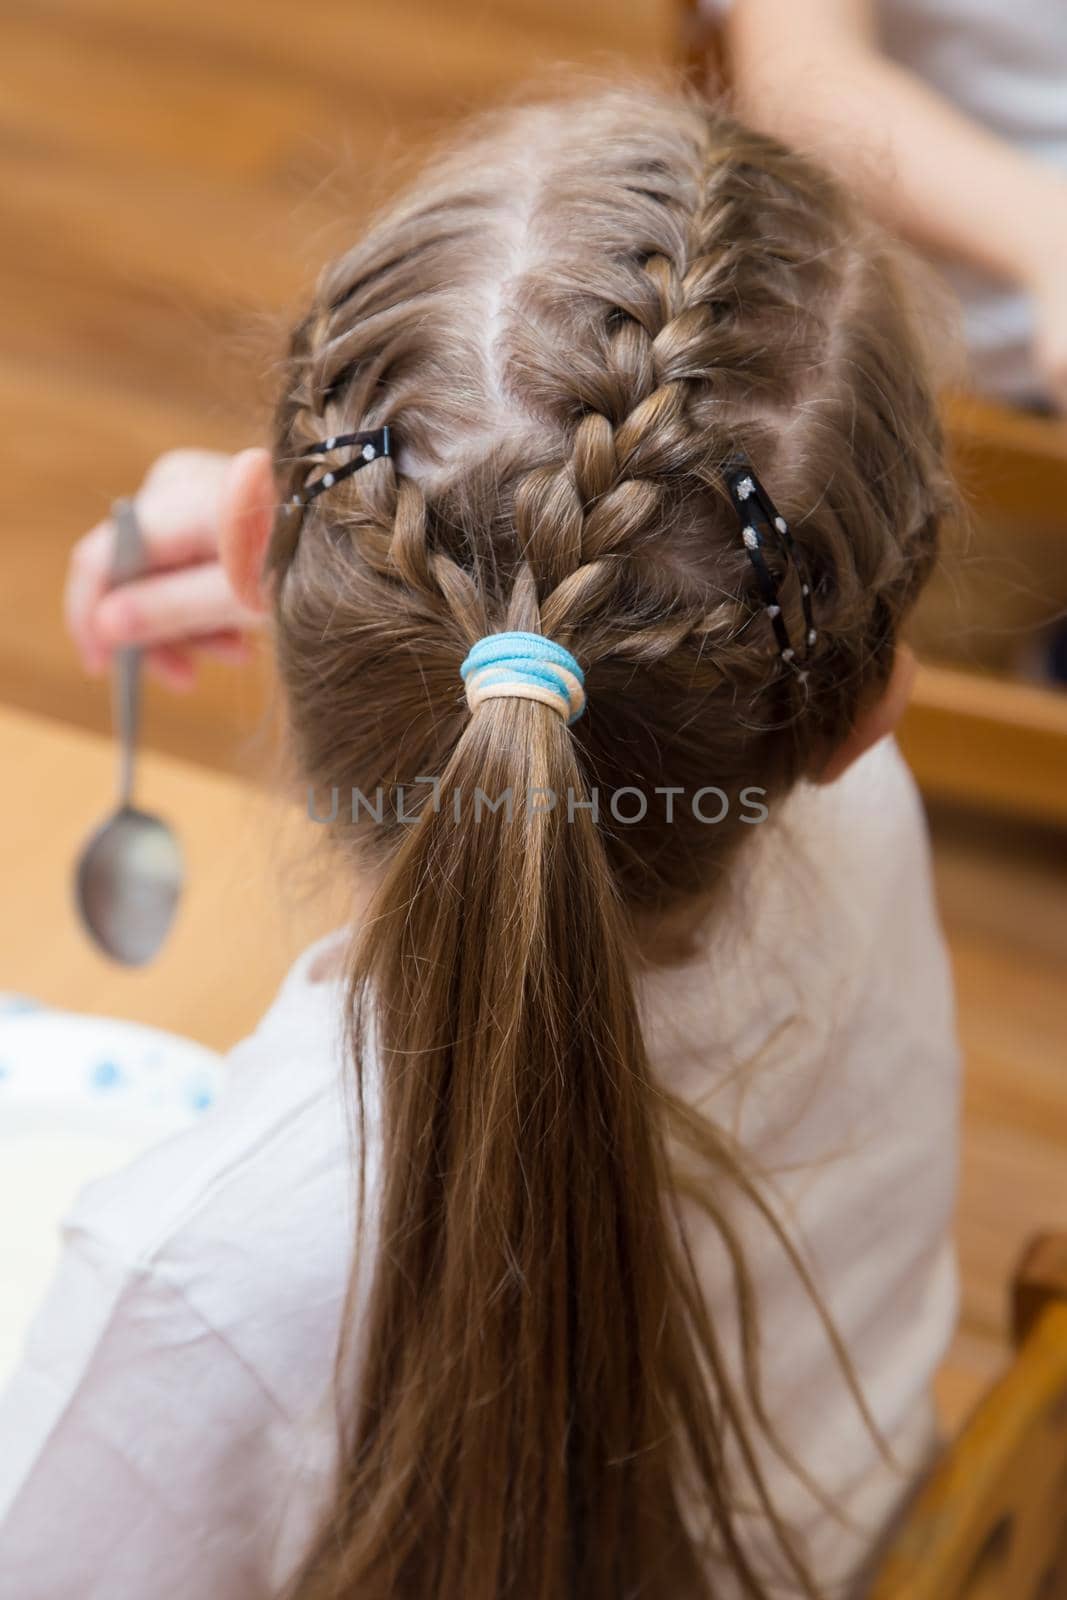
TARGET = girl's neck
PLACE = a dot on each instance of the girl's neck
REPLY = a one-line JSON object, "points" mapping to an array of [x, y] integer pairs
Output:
{"points": [[671, 938]]}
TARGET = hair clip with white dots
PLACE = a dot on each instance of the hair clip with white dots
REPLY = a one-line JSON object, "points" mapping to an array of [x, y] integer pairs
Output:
{"points": [[368, 447], [760, 518]]}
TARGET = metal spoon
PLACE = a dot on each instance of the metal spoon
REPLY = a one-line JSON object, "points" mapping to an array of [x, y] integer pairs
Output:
{"points": [[129, 876]]}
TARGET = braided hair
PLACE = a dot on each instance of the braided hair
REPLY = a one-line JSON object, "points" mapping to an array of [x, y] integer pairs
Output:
{"points": [[570, 323]]}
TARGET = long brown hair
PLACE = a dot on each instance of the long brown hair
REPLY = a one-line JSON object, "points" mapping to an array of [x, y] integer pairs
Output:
{"points": [[570, 322]]}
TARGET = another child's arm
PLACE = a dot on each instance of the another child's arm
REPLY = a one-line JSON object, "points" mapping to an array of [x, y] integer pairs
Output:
{"points": [[815, 75], [185, 607]]}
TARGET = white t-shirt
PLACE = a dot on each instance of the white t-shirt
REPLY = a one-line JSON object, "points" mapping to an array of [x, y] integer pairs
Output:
{"points": [[169, 1432], [1006, 67]]}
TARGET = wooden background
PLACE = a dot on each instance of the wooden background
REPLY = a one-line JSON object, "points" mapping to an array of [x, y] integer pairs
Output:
{"points": [[172, 172]]}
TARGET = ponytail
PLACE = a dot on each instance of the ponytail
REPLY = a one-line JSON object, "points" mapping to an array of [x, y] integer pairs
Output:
{"points": [[527, 1390]]}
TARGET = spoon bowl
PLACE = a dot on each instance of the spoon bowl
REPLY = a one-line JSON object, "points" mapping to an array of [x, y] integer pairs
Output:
{"points": [[128, 884]]}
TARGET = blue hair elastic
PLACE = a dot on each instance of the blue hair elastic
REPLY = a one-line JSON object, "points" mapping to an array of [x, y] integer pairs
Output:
{"points": [[524, 666]]}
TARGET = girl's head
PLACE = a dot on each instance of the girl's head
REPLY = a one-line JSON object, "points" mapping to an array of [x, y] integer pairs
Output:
{"points": [[570, 324]]}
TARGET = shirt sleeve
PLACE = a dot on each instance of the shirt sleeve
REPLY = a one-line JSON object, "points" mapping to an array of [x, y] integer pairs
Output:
{"points": [[133, 1446]]}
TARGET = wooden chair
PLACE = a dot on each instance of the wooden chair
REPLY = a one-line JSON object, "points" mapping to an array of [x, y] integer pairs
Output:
{"points": [[973, 735], [990, 1522], [970, 735]]}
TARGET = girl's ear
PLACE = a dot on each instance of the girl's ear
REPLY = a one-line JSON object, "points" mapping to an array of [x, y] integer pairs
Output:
{"points": [[877, 721], [246, 515]]}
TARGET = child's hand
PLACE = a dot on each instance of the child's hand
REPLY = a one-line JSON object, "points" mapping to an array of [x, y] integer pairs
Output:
{"points": [[184, 607]]}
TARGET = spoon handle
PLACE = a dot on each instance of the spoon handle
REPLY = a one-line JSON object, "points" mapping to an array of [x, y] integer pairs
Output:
{"points": [[127, 562]]}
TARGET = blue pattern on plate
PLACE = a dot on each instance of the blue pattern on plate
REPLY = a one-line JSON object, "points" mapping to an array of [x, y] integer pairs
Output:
{"points": [[17, 1005], [105, 1075], [62, 1058]]}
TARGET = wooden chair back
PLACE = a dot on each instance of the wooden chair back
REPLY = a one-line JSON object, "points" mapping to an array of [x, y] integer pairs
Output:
{"points": [[990, 1523]]}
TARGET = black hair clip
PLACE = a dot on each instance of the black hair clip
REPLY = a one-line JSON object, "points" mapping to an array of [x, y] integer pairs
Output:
{"points": [[759, 518], [371, 446]]}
